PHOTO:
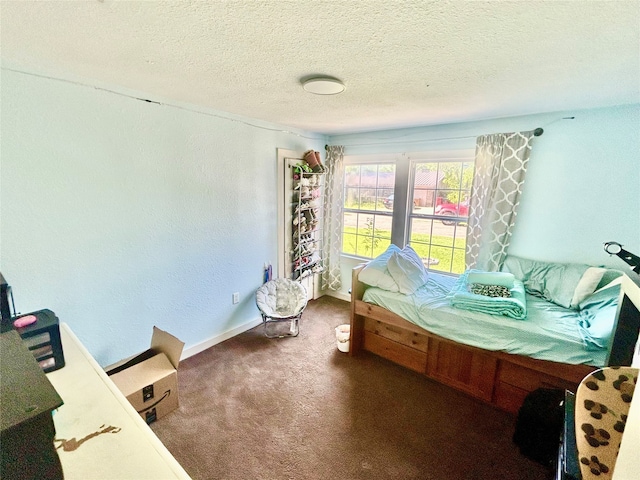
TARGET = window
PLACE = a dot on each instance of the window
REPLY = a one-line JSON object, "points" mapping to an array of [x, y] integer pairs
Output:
{"points": [[436, 190], [438, 219], [368, 208]]}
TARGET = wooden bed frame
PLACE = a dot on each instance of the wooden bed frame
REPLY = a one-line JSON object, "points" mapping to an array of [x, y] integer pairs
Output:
{"points": [[499, 378]]}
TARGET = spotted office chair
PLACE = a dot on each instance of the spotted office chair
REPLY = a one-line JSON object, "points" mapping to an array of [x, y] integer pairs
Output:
{"points": [[603, 399]]}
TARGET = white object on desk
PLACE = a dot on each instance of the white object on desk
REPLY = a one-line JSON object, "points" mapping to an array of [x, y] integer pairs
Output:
{"points": [[104, 436]]}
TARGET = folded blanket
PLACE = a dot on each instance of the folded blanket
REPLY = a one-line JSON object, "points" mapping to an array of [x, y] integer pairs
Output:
{"points": [[514, 306], [503, 279]]}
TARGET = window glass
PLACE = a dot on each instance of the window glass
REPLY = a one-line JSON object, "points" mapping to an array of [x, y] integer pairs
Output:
{"points": [[438, 190], [438, 219], [368, 209]]}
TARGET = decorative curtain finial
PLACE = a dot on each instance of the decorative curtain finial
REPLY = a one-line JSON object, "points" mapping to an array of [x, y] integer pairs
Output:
{"points": [[614, 248]]}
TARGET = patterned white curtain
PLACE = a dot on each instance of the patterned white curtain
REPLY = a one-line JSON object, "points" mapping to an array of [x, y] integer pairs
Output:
{"points": [[501, 165], [332, 218]]}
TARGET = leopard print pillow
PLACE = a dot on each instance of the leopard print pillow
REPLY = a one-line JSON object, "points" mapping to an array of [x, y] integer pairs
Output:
{"points": [[489, 290]]}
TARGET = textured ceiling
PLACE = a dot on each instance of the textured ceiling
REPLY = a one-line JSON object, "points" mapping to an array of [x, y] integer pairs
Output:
{"points": [[404, 63]]}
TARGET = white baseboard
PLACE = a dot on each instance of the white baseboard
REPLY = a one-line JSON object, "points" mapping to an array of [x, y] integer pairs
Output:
{"points": [[340, 295], [202, 346]]}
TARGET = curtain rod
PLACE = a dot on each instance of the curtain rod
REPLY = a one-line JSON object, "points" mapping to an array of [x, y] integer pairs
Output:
{"points": [[536, 133]]}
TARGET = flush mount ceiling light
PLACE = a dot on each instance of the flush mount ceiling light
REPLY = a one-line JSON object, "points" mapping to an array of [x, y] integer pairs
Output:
{"points": [[323, 85]]}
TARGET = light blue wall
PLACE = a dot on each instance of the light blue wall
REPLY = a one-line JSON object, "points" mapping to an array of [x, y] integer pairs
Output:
{"points": [[119, 214], [582, 186]]}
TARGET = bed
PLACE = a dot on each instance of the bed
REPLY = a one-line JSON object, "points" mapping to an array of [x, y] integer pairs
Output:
{"points": [[496, 359]]}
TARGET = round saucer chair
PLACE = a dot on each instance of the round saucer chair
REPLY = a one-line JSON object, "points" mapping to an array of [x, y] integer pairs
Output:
{"points": [[281, 302]]}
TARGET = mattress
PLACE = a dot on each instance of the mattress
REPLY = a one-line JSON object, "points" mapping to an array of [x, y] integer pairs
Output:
{"points": [[549, 332]]}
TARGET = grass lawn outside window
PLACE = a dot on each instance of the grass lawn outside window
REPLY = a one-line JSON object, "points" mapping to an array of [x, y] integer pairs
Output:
{"points": [[440, 253]]}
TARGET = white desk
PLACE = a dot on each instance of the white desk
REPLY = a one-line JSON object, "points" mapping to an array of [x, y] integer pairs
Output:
{"points": [[99, 434]]}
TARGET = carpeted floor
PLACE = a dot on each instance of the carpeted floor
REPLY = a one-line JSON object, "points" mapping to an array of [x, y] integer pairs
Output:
{"points": [[297, 408]]}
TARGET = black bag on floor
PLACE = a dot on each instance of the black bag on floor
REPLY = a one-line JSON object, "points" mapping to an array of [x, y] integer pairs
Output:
{"points": [[539, 425]]}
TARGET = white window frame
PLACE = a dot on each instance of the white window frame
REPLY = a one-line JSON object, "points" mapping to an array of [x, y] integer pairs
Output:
{"points": [[372, 160], [404, 184], [457, 156]]}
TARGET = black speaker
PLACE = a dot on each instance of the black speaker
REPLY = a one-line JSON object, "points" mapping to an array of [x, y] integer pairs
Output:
{"points": [[5, 306], [27, 430]]}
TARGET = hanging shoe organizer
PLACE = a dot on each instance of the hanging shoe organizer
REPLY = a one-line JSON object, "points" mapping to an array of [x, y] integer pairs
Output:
{"points": [[306, 218]]}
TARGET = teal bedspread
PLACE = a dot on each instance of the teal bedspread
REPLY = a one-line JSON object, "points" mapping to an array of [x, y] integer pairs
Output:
{"points": [[514, 306], [550, 332]]}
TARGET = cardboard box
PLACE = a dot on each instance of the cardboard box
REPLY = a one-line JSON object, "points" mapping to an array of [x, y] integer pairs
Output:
{"points": [[149, 380]]}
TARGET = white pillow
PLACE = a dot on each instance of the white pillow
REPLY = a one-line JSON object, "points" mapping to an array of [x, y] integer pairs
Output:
{"points": [[407, 270], [376, 274], [587, 285]]}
